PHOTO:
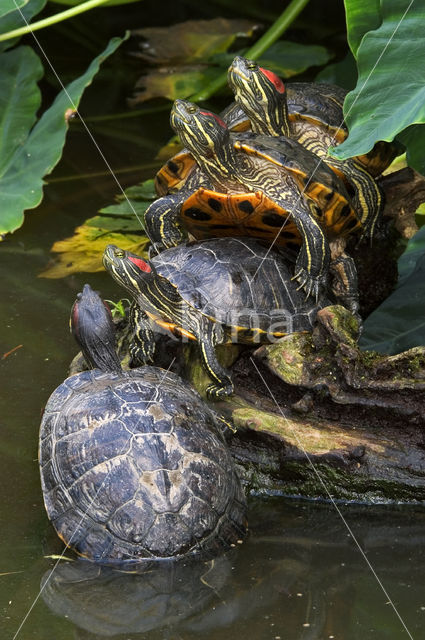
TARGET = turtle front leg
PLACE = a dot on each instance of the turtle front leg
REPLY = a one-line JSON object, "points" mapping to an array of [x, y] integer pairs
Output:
{"points": [[142, 346], [206, 335], [344, 283], [162, 222], [312, 265], [367, 199]]}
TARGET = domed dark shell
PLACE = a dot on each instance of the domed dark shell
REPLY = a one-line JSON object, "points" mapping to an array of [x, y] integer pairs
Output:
{"points": [[317, 100], [258, 282], [134, 466]]}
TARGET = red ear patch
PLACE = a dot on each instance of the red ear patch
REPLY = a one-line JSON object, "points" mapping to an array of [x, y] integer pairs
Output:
{"points": [[219, 120], [143, 266], [274, 79]]}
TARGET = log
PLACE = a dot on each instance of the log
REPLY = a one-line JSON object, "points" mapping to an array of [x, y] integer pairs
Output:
{"points": [[322, 419]]}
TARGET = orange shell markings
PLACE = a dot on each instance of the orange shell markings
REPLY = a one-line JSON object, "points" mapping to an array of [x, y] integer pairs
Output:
{"points": [[209, 214]]}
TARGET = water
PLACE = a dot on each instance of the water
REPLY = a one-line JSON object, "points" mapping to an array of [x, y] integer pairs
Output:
{"points": [[298, 576]]}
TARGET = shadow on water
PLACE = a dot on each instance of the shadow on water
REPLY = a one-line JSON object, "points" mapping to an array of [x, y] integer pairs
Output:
{"points": [[299, 575]]}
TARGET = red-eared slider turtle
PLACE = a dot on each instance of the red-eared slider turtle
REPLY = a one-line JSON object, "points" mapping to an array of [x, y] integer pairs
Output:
{"points": [[215, 291], [305, 109], [134, 466], [319, 104], [252, 185], [262, 96]]}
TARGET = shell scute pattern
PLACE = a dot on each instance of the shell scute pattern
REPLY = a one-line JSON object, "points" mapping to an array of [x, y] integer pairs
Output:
{"points": [[210, 286], [118, 484], [132, 521], [108, 440]]}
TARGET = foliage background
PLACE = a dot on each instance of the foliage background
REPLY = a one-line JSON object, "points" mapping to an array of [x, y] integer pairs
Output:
{"points": [[374, 48]]}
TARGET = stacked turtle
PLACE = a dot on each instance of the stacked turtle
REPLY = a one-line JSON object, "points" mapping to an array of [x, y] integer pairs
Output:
{"points": [[134, 465], [256, 189]]}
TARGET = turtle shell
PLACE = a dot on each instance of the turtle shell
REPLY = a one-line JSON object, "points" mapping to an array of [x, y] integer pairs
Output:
{"points": [[134, 468], [207, 214], [239, 284], [320, 105]]}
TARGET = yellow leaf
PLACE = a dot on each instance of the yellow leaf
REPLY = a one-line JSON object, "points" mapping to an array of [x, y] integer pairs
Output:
{"points": [[83, 251], [192, 40]]}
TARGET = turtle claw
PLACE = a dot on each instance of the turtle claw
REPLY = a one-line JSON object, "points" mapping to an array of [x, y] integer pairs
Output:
{"points": [[216, 391], [154, 249], [313, 286]]}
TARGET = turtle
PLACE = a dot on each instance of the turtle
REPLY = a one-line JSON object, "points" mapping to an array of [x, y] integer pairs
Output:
{"points": [[247, 184], [306, 109], [134, 465], [319, 103], [213, 291], [261, 95]]}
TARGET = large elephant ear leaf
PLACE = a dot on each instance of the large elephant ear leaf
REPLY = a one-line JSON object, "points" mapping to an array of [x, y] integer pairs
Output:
{"points": [[399, 322], [34, 153], [390, 91], [362, 16]]}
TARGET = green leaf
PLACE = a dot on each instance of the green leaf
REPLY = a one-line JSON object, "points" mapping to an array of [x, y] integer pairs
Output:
{"points": [[121, 223], [134, 203], [291, 58], [413, 252], [414, 140], [342, 73], [20, 99], [362, 16], [8, 6], [17, 18], [75, 3], [21, 181], [390, 92], [399, 322]]}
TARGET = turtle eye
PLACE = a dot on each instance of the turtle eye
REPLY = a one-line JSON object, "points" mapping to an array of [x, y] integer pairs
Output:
{"points": [[191, 108], [251, 65], [119, 253]]}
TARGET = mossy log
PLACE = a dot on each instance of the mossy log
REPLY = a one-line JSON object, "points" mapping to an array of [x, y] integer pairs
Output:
{"points": [[317, 417]]}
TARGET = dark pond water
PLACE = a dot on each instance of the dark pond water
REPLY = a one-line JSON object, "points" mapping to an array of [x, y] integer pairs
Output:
{"points": [[299, 575]]}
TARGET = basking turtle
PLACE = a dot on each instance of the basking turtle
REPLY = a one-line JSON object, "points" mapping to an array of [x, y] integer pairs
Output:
{"points": [[261, 95], [308, 110], [214, 291], [319, 104], [134, 466], [245, 184]]}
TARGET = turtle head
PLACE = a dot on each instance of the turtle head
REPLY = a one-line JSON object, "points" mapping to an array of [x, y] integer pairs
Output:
{"points": [[261, 94], [201, 131], [128, 269], [94, 330]]}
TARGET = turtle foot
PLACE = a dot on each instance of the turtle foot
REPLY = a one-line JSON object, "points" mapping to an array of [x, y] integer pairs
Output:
{"points": [[216, 391], [366, 235], [313, 286], [155, 248], [140, 356]]}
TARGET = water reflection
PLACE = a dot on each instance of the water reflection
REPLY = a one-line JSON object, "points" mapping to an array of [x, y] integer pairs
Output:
{"points": [[299, 576], [107, 602]]}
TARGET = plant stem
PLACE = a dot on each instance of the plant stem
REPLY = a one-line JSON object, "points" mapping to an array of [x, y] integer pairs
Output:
{"points": [[58, 17], [280, 25]]}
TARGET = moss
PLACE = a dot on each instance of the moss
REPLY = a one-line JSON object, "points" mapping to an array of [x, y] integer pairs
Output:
{"points": [[300, 480]]}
